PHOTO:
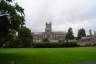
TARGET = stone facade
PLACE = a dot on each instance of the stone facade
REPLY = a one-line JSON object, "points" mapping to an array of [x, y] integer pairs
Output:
{"points": [[94, 37], [49, 34]]}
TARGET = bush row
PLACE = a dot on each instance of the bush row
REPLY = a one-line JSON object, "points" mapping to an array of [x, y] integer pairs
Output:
{"points": [[89, 44], [55, 45]]}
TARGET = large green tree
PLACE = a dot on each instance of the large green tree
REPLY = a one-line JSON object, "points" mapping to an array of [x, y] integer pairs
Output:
{"points": [[4, 26], [15, 12], [12, 18], [70, 35], [81, 33], [25, 37]]}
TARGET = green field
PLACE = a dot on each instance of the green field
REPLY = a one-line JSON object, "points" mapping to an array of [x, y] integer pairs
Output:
{"points": [[47, 55]]}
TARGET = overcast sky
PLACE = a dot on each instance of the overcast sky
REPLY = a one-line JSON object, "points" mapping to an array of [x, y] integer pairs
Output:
{"points": [[62, 13]]}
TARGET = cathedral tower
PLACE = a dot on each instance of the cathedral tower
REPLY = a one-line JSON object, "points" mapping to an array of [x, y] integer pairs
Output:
{"points": [[48, 28], [90, 32]]}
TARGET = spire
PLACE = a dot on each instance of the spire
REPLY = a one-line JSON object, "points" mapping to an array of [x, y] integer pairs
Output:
{"points": [[50, 23], [46, 23], [90, 32], [48, 27]]}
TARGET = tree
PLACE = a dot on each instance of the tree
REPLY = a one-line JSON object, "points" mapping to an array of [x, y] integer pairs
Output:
{"points": [[25, 37], [45, 40], [12, 18], [4, 28], [11, 42], [69, 35], [81, 33]]}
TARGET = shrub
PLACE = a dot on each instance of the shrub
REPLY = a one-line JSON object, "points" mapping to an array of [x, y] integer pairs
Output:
{"points": [[45, 40], [88, 44], [56, 45], [94, 44], [12, 42]]}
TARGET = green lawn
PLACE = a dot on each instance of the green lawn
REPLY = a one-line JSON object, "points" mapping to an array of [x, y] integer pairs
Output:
{"points": [[46, 55]]}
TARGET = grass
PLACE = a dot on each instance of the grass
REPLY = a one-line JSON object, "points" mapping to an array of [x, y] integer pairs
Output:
{"points": [[46, 55]]}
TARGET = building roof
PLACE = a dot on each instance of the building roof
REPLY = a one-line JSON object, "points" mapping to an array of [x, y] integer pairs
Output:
{"points": [[59, 32], [40, 33]]}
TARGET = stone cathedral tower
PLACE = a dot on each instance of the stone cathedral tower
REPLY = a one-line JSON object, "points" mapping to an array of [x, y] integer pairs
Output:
{"points": [[48, 28], [49, 34]]}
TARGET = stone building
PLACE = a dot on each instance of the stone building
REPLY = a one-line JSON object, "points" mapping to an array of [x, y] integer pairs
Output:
{"points": [[94, 37], [89, 39], [49, 34]]}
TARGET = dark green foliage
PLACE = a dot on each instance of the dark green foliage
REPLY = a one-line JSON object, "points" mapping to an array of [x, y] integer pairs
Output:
{"points": [[90, 44], [11, 19], [94, 44], [56, 45], [81, 33], [6, 7], [45, 40], [15, 12], [11, 42], [25, 37], [4, 26], [4, 29], [69, 35]]}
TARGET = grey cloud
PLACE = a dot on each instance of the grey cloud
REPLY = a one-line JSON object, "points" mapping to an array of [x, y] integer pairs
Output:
{"points": [[62, 13]]}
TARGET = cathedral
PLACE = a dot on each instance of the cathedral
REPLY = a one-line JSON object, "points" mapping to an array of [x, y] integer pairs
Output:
{"points": [[49, 34]]}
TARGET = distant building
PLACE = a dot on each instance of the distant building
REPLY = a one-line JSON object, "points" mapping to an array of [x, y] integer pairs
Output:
{"points": [[94, 37], [49, 34], [88, 37]]}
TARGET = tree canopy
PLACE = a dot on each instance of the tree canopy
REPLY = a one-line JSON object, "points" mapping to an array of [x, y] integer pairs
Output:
{"points": [[69, 35], [15, 12], [12, 18], [81, 33], [45, 40], [25, 37]]}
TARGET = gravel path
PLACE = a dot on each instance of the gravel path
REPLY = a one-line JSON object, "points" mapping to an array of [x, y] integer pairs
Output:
{"points": [[86, 62]]}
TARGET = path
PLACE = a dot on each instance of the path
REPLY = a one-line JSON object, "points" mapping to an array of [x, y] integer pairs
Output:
{"points": [[86, 62]]}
